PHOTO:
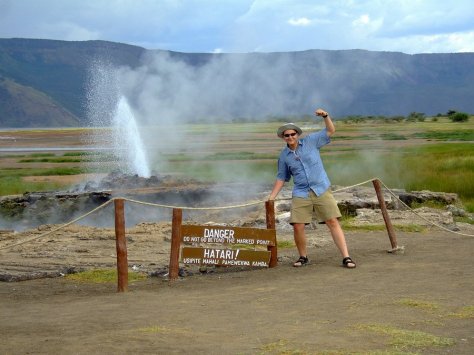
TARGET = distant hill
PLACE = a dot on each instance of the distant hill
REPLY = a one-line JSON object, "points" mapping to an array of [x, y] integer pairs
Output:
{"points": [[23, 106], [44, 83]]}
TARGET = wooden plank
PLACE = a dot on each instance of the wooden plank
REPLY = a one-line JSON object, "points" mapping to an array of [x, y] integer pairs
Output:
{"points": [[225, 257], [228, 235]]}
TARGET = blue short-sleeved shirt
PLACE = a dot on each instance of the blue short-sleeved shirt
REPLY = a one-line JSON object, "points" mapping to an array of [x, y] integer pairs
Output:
{"points": [[305, 165]]}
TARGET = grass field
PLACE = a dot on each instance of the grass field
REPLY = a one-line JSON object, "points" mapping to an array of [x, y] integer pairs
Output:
{"points": [[430, 155]]}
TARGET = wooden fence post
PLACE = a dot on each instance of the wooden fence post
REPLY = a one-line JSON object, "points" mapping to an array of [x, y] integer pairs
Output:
{"points": [[270, 217], [175, 243], [121, 246], [386, 217]]}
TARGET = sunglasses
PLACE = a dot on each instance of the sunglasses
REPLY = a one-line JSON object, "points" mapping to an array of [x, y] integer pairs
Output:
{"points": [[290, 135]]}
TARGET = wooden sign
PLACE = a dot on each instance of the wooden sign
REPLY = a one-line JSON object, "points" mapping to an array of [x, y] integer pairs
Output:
{"points": [[225, 257], [222, 235], [225, 236]]}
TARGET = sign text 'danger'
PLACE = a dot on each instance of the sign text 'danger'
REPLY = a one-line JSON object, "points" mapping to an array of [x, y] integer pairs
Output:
{"points": [[228, 235]]}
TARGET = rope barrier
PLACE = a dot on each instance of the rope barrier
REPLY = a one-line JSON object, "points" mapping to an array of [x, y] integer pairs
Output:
{"points": [[193, 208], [425, 219], [221, 208]]}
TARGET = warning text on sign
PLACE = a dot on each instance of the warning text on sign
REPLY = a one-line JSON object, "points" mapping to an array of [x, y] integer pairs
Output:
{"points": [[225, 257]]}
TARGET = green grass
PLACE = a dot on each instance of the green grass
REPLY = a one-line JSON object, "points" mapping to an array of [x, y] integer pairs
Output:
{"points": [[381, 136], [81, 154], [439, 156], [103, 276], [285, 244], [409, 228], [220, 156], [40, 155], [40, 172], [466, 312], [441, 167], [403, 339], [71, 157], [417, 304], [58, 171], [13, 185], [465, 135], [11, 182], [51, 160], [163, 330]]}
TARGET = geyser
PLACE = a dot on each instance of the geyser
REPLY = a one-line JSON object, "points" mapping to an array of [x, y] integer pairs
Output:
{"points": [[108, 108], [128, 145]]}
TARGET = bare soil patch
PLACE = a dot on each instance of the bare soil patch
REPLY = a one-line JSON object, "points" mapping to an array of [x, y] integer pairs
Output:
{"points": [[63, 179]]}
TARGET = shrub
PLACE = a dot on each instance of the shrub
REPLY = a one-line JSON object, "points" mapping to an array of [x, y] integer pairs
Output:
{"points": [[459, 117]]}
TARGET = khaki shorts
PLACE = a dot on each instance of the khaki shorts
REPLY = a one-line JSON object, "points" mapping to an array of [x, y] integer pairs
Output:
{"points": [[324, 206]]}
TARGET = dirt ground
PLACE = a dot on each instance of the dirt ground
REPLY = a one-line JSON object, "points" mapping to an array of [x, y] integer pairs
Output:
{"points": [[418, 301]]}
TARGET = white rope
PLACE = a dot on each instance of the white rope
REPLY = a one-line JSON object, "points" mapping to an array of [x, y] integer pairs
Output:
{"points": [[424, 218], [403, 203], [338, 190], [219, 208], [192, 208]]}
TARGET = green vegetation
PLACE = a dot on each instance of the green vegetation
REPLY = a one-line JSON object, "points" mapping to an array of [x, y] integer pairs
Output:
{"points": [[465, 135], [402, 339], [71, 157], [441, 167], [42, 155], [50, 160], [464, 313], [436, 167], [103, 275], [459, 117], [221, 156], [163, 330], [417, 304], [282, 244], [346, 225], [11, 179], [436, 155], [407, 339], [13, 185]]}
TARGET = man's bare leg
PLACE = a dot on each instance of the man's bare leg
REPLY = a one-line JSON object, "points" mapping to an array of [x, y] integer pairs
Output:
{"points": [[300, 238], [339, 239]]}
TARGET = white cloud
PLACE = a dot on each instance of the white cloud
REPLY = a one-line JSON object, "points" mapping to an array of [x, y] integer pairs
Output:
{"points": [[302, 21], [410, 26], [70, 32], [362, 20]]}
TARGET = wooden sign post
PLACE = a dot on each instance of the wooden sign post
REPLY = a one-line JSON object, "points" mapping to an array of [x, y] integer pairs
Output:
{"points": [[121, 246], [222, 245]]}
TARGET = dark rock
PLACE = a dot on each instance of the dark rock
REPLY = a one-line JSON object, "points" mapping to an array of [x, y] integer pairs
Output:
{"points": [[443, 198]]}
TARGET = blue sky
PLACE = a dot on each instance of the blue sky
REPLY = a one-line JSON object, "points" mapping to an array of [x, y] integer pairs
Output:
{"points": [[409, 26]]}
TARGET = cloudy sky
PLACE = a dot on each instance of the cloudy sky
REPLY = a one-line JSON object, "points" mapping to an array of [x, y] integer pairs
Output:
{"points": [[409, 26]]}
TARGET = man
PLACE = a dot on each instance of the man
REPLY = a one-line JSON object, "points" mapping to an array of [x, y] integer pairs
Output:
{"points": [[301, 159]]}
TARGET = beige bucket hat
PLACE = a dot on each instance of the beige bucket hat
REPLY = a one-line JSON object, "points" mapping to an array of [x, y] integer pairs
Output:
{"points": [[287, 126]]}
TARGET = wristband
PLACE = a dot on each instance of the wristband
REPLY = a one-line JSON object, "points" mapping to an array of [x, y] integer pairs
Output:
{"points": [[325, 116]]}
